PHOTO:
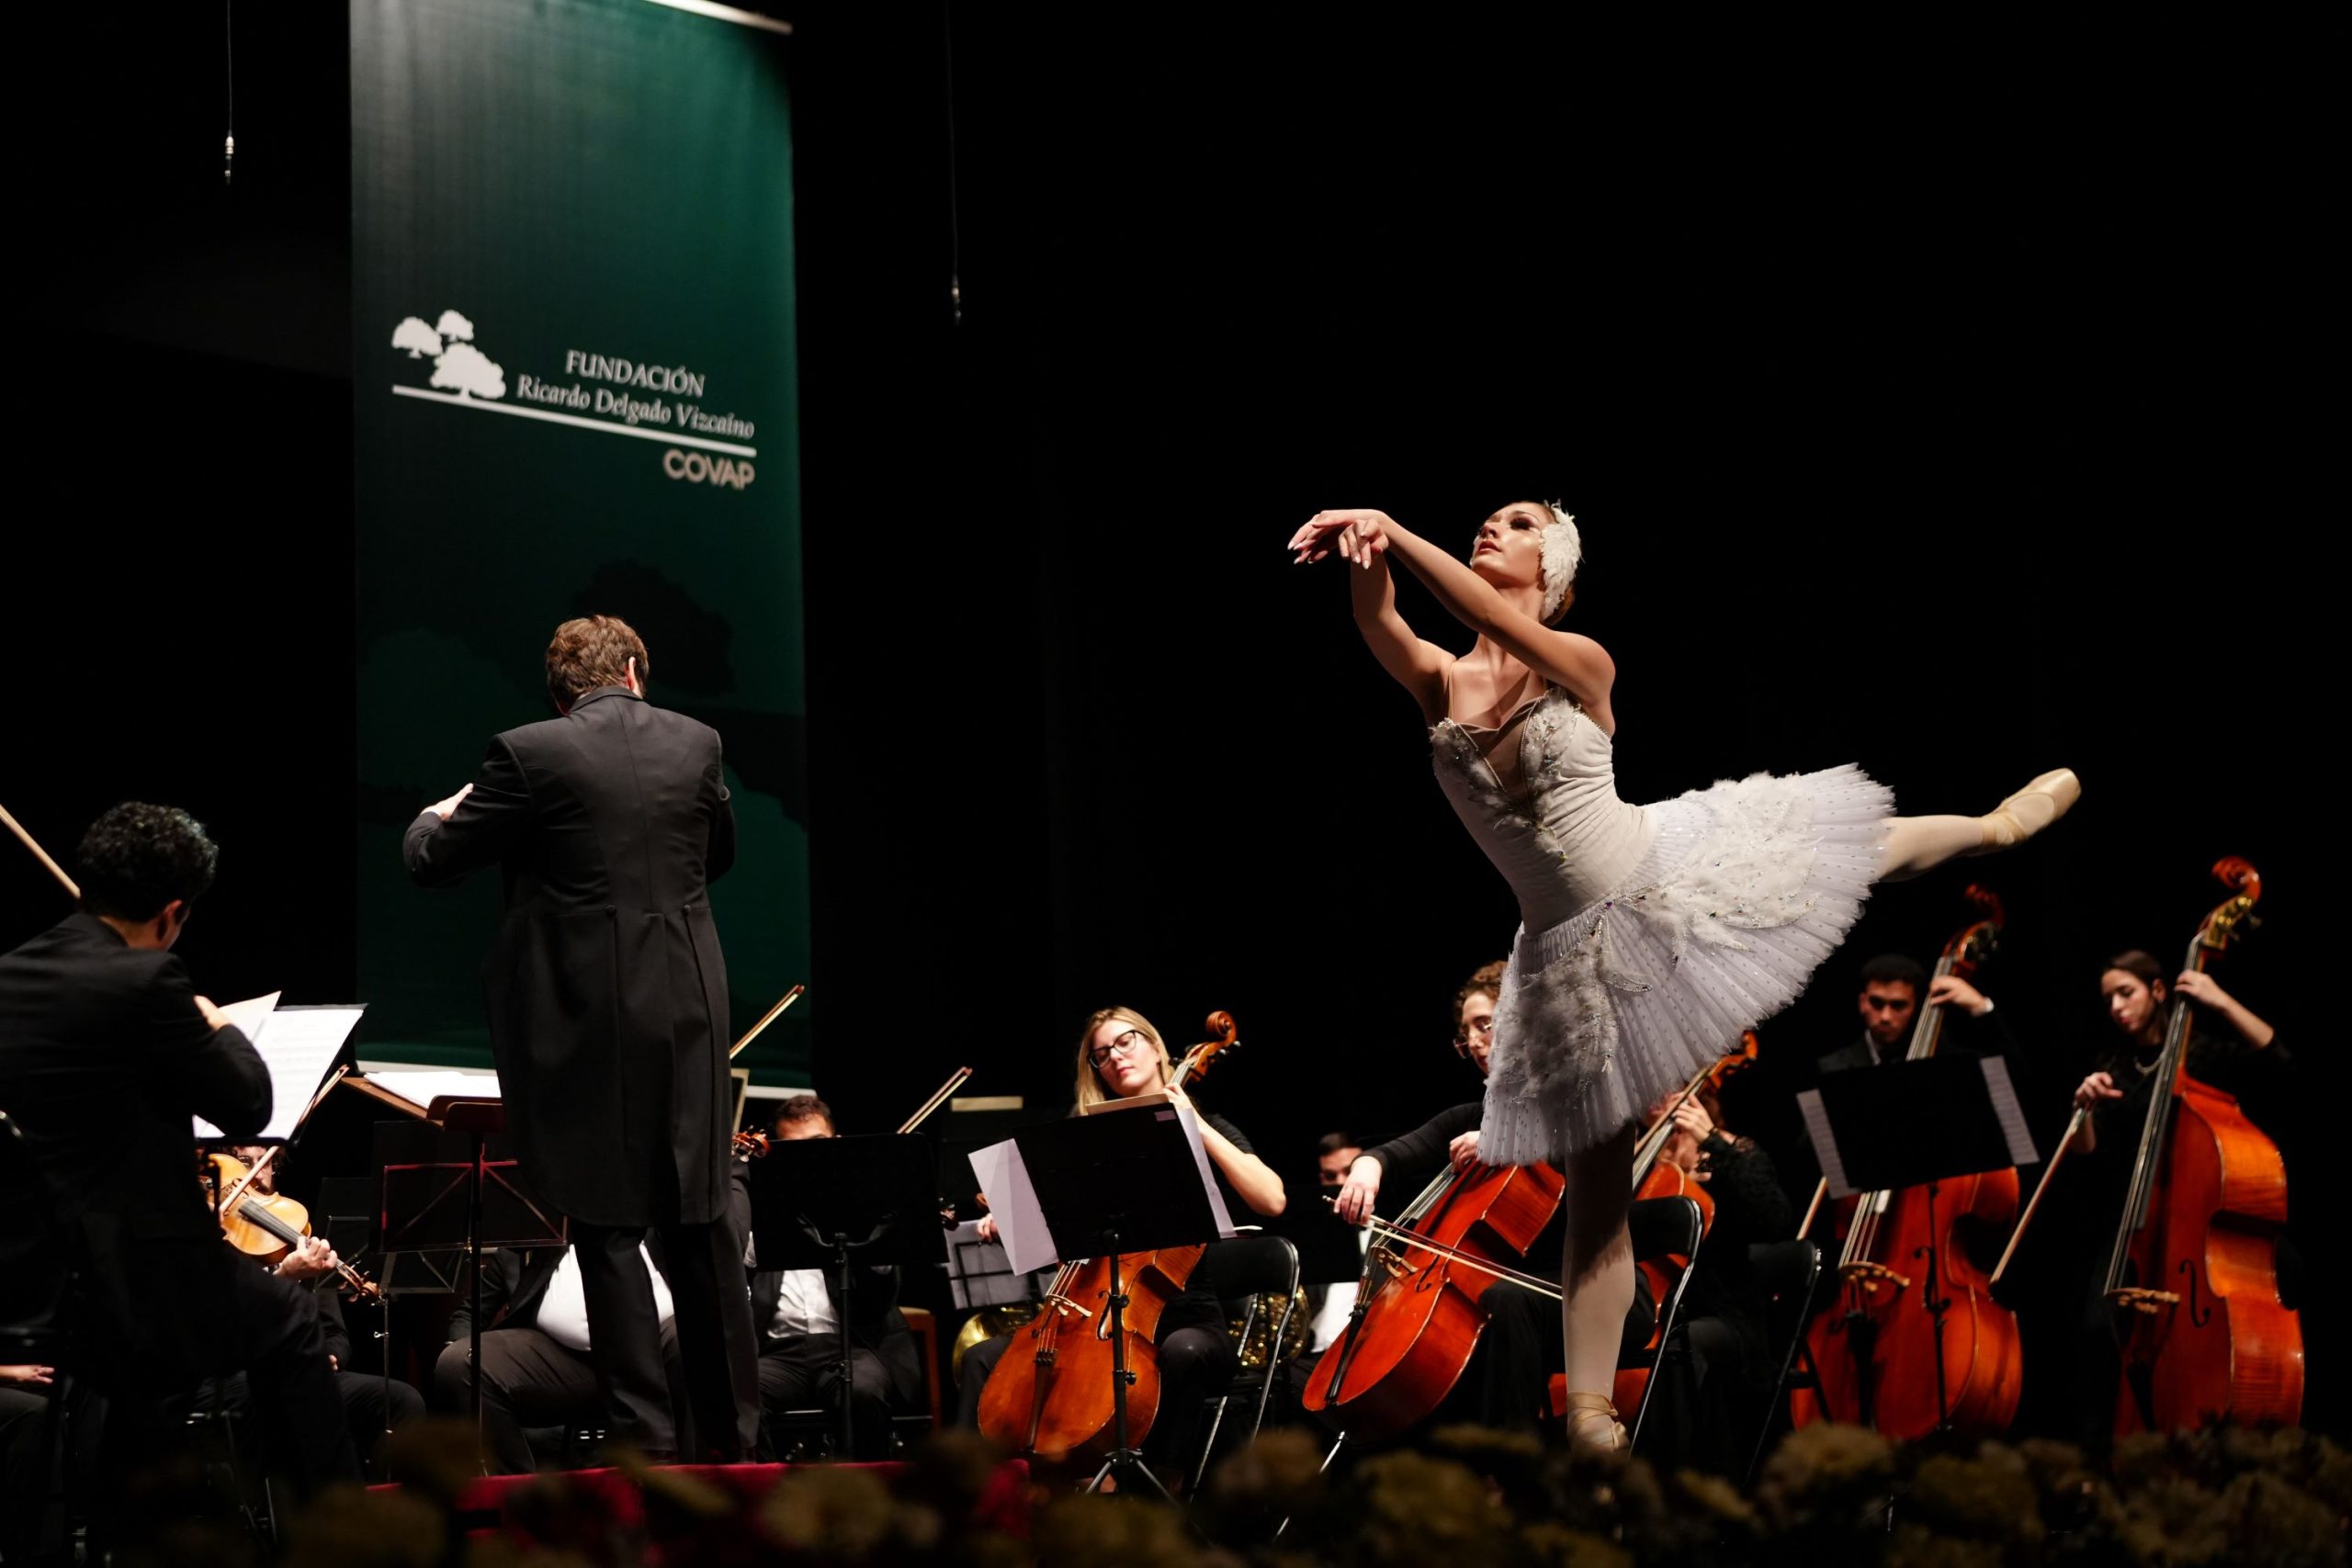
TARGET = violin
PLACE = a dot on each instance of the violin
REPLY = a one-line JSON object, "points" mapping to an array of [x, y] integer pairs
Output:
{"points": [[1911, 1256], [1658, 1178], [2192, 1280], [1051, 1395], [265, 1226]]}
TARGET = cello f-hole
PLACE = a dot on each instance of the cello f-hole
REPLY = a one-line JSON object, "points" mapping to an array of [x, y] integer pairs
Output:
{"points": [[2198, 1316]]}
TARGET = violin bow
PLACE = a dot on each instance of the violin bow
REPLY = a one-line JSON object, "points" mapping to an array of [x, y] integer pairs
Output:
{"points": [[939, 1097], [2065, 1142], [71, 890], [1381, 1227], [753, 1033]]}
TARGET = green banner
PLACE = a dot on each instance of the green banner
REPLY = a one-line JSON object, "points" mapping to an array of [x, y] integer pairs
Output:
{"points": [[572, 322]]}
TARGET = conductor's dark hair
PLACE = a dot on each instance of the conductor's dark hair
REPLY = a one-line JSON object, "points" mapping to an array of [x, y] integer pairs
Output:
{"points": [[793, 1109], [592, 651], [1893, 969], [137, 858]]}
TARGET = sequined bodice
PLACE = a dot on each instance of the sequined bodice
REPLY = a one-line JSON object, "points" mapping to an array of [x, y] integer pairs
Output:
{"points": [[1569, 840]]}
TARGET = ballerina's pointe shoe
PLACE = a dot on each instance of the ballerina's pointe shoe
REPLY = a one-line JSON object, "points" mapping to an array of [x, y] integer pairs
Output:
{"points": [[1592, 1422], [2029, 810]]}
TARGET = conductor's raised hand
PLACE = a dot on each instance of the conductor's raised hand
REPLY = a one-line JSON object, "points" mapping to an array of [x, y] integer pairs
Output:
{"points": [[1356, 535], [442, 808]]}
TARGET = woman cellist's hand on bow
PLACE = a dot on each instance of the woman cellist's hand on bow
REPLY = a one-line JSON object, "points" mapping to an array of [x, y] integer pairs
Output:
{"points": [[1357, 536], [1462, 1153], [1355, 1201]]}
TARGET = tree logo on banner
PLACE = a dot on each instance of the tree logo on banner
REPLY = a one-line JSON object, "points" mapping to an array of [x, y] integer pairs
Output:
{"points": [[457, 365]]}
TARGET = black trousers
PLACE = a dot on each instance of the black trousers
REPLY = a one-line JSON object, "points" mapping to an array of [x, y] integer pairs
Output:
{"points": [[372, 1405], [718, 1355], [270, 1331], [529, 1379], [1196, 1364], [805, 1372]]}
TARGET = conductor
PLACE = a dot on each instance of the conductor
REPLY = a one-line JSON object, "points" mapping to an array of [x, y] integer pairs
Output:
{"points": [[608, 1018]]}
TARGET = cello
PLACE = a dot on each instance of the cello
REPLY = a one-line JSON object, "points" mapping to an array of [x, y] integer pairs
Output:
{"points": [[1419, 1307], [2193, 1280], [1657, 1177], [1914, 1342], [1051, 1396]]}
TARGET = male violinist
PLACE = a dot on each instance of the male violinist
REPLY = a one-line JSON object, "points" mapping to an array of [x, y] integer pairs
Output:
{"points": [[372, 1404], [107, 1053], [608, 1015]]}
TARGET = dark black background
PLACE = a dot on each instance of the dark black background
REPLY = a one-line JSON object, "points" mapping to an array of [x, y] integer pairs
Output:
{"points": [[1938, 403]]}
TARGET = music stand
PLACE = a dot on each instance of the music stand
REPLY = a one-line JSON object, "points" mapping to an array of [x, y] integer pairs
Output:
{"points": [[345, 1213], [827, 1202], [1914, 1124], [443, 1193], [1127, 1180]]}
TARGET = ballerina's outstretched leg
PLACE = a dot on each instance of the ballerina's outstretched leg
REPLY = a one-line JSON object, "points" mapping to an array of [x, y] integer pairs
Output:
{"points": [[1915, 844]]}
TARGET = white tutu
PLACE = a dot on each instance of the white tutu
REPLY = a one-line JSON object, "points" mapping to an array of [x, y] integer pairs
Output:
{"points": [[1745, 888]]}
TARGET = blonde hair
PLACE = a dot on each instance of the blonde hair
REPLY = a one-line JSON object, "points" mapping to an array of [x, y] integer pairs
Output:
{"points": [[1089, 1083]]}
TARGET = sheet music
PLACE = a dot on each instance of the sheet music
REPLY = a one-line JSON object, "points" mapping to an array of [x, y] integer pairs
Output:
{"points": [[978, 1274], [2005, 1107], [299, 1045], [423, 1085], [252, 1015], [1208, 1177], [1013, 1203], [1825, 1143]]}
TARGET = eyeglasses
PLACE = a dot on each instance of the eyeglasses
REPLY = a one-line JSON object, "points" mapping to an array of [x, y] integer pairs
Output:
{"points": [[1480, 1026], [1127, 1044]]}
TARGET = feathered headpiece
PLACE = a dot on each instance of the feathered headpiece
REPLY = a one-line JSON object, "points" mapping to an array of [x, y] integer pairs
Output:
{"points": [[1563, 549]]}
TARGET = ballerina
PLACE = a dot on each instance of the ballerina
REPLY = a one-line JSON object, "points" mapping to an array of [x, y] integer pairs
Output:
{"points": [[1649, 935]]}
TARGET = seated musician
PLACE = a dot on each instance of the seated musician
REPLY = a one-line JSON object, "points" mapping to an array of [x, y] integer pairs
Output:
{"points": [[372, 1405], [798, 1313], [536, 1369], [1893, 988], [1328, 1305], [1724, 1310], [1504, 1383], [107, 1055], [1120, 1056]]}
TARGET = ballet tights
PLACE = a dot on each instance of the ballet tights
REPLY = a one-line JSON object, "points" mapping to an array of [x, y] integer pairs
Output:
{"points": [[1915, 844], [1596, 1265]]}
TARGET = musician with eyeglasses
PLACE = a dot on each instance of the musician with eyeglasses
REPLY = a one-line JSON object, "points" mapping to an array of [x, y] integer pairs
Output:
{"points": [[1121, 1055], [1504, 1383]]}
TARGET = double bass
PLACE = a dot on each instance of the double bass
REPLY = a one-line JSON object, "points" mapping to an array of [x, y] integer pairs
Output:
{"points": [[1051, 1394], [1914, 1341], [2192, 1280]]}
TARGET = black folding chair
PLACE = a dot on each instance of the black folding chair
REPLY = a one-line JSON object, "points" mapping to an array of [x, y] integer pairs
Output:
{"points": [[1254, 1267], [38, 1285], [1788, 1273], [1660, 1228]]}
